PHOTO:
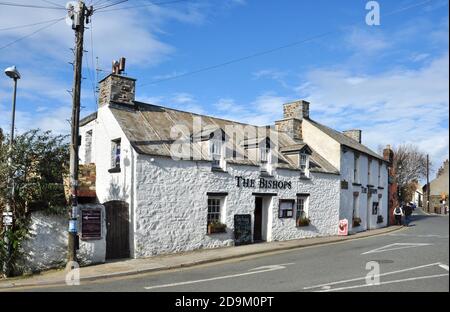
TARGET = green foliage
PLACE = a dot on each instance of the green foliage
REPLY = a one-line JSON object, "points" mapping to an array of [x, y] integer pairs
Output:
{"points": [[38, 163]]}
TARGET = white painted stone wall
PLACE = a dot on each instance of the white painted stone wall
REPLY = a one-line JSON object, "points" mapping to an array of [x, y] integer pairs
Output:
{"points": [[368, 221], [171, 204], [46, 247]]}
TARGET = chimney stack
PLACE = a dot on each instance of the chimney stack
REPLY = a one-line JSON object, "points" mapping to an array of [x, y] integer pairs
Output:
{"points": [[293, 115], [388, 154], [354, 134]]}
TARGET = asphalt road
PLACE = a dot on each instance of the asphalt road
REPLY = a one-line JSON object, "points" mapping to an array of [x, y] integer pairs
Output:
{"points": [[413, 259]]}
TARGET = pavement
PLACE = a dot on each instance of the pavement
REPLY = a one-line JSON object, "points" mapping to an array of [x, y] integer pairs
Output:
{"points": [[134, 267]]}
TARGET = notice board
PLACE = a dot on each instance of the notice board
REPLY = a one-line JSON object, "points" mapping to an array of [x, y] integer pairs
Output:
{"points": [[242, 229], [91, 224]]}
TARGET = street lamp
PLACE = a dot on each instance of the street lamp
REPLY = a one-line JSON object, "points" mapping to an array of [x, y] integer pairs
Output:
{"points": [[14, 74]]}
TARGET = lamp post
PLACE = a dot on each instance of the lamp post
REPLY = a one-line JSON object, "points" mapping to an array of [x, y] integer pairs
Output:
{"points": [[14, 74]]}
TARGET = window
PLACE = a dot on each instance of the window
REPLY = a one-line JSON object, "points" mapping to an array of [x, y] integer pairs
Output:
{"points": [[214, 210], [215, 152], [302, 211], [286, 209], [379, 173], [304, 164], [88, 148], [356, 169], [115, 154], [355, 205], [265, 158]]}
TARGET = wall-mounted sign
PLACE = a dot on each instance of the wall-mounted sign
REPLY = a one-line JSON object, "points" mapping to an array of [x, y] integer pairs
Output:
{"points": [[363, 190], [242, 229], [344, 185], [343, 227], [373, 191], [263, 183], [91, 224], [7, 218]]}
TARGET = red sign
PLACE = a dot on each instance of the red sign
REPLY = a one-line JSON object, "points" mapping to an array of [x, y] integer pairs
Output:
{"points": [[343, 227]]}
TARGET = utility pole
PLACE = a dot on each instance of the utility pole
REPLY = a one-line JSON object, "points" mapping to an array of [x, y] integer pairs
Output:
{"points": [[79, 14], [428, 183]]}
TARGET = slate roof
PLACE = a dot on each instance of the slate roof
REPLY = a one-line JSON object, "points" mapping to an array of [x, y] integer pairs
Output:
{"points": [[345, 140], [148, 128]]}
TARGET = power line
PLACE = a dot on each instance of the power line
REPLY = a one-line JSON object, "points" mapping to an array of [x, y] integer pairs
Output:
{"points": [[53, 3], [143, 5], [31, 6], [29, 25], [112, 4], [31, 34], [271, 50]]}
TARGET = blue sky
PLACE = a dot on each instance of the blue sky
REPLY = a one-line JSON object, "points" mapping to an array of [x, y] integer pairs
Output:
{"points": [[391, 80]]}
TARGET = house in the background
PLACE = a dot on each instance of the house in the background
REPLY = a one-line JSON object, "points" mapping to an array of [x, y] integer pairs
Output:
{"points": [[439, 190], [364, 173]]}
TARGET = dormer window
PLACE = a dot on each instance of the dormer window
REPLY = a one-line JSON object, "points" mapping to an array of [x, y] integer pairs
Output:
{"points": [[304, 164], [215, 152]]}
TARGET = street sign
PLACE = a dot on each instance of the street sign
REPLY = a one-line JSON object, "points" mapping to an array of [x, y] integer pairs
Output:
{"points": [[91, 224], [7, 218]]}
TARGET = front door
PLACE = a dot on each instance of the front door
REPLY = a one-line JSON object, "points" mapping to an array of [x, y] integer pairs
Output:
{"points": [[117, 226], [257, 227]]}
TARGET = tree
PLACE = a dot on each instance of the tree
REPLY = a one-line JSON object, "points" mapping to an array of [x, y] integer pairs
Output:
{"points": [[410, 166], [39, 163]]}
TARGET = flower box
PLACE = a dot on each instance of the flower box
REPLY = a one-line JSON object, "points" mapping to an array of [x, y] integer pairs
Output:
{"points": [[356, 222], [380, 219], [216, 227], [303, 221]]}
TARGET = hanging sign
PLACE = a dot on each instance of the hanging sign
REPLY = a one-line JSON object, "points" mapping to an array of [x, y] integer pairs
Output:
{"points": [[343, 227], [73, 225]]}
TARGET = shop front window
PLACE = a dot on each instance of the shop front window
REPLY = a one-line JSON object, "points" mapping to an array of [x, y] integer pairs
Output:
{"points": [[286, 209]]}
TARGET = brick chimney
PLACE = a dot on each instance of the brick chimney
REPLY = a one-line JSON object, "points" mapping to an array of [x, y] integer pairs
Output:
{"points": [[354, 134], [388, 154], [117, 89], [293, 115]]}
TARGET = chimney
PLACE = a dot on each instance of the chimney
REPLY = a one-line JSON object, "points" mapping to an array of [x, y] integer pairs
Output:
{"points": [[298, 109], [117, 89], [293, 115], [388, 154], [354, 134]]}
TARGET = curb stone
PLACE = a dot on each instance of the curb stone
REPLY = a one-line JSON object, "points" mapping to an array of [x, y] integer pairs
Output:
{"points": [[335, 239]]}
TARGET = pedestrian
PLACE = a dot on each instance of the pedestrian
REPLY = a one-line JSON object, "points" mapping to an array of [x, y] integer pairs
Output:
{"points": [[398, 213], [407, 211]]}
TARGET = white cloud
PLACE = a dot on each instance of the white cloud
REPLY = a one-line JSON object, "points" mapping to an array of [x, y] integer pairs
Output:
{"points": [[400, 106]]}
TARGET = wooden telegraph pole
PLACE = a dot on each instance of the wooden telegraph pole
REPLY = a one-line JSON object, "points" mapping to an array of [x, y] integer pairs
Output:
{"points": [[428, 183], [79, 16]]}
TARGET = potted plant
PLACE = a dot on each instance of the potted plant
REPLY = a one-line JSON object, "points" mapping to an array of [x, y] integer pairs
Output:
{"points": [[356, 221], [303, 221], [216, 227], [380, 219]]}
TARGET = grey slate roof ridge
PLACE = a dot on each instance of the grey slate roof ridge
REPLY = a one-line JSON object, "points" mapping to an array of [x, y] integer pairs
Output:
{"points": [[346, 141]]}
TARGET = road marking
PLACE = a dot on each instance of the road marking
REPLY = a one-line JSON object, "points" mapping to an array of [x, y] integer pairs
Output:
{"points": [[258, 270], [376, 275], [445, 267], [384, 283], [391, 247], [421, 235]]}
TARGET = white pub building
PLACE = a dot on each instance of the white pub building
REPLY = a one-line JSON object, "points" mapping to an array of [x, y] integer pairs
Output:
{"points": [[173, 181]]}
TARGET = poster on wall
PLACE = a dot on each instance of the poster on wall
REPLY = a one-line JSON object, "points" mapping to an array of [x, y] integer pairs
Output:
{"points": [[242, 229], [91, 224], [343, 227]]}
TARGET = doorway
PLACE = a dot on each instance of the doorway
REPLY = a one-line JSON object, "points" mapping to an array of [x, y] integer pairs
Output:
{"points": [[117, 230], [257, 226]]}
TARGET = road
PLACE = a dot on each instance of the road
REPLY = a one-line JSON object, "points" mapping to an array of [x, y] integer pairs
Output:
{"points": [[412, 259]]}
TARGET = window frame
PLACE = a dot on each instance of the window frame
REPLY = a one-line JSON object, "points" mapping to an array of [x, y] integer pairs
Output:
{"points": [[218, 213], [356, 162], [355, 205], [305, 210], [116, 145], [281, 214]]}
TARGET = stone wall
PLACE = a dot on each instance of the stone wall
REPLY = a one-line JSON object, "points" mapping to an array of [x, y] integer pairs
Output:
{"points": [[171, 205], [116, 88], [46, 247]]}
